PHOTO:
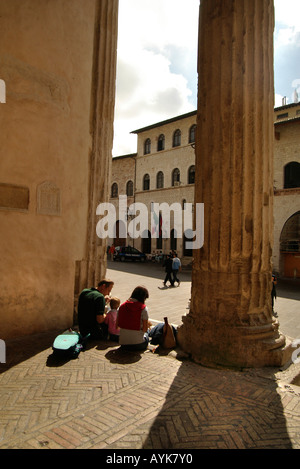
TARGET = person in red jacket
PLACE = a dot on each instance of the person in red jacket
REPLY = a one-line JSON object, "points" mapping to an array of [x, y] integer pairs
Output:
{"points": [[133, 321]]}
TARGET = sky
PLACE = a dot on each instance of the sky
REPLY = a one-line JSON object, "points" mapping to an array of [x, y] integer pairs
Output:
{"points": [[157, 62]]}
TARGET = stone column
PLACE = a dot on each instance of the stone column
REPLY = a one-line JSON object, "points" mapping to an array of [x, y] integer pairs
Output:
{"points": [[230, 321], [93, 267]]}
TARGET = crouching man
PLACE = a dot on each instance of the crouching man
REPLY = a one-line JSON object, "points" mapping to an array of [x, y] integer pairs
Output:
{"points": [[91, 310]]}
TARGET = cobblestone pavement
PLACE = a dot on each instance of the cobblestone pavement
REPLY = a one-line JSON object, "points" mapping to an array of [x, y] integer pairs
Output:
{"points": [[173, 302], [112, 400]]}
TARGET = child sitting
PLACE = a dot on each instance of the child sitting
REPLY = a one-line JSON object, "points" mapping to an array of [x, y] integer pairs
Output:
{"points": [[111, 318]]}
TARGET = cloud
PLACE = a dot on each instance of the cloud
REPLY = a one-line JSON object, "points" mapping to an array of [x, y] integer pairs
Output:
{"points": [[157, 62], [287, 13], [156, 70], [287, 49]]}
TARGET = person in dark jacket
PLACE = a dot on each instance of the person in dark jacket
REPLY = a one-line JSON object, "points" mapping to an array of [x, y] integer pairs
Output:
{"points": [[168, 269], [273, 293], [91, 310]]}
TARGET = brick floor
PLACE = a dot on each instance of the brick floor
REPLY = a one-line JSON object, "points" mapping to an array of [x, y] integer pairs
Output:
{"points": [[108, 399], [171, 302]]}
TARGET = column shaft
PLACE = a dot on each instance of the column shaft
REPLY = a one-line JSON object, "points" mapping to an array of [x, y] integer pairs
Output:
{"points": [[102, 118], [231, 321]]}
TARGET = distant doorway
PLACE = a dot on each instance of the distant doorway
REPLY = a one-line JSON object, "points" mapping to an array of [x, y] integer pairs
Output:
{"points": [[146, 243], [290, 247], [120, 241]]}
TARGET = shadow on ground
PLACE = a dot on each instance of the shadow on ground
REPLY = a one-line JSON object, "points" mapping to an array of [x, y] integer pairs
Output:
{"points": [[288, 288], [21, 349], [214, 409]]}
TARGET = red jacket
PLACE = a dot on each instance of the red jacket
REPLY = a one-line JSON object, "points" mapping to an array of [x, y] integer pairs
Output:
{"points": [[129, 315]]}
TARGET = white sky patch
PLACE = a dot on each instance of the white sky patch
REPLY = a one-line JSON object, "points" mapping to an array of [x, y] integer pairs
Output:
{"points": [[287, 13], [157, 62], [287, 50], [158, 41]]}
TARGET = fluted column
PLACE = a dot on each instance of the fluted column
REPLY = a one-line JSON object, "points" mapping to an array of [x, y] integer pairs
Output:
{"points": [[93, 268], [230, 321]]}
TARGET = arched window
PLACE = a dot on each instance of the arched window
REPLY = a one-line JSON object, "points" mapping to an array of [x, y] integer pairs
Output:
{"points": [[146, 182], [176, 177], [192, 134], [292, 175], [161, 143], [147, 146], [177, 138], [187, 238], [114, 190], [129, 189], [160, 180], [191, 175]]}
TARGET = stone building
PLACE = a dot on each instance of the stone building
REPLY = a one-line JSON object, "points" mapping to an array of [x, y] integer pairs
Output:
{"points": [[286, 252], [58, 64], [163, 170]]}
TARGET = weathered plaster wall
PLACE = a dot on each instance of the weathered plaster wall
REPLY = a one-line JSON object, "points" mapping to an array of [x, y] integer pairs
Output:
{"points": [[46, 60]]}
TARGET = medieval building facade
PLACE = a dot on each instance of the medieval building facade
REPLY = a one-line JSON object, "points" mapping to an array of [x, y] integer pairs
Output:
{"points": [[163, 171]]}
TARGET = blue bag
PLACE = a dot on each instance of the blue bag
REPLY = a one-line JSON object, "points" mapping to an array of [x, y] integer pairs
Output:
{"points": [[68, 345]]}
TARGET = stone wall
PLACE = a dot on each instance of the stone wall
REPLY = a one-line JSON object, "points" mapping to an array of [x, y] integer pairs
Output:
{"points": [[47, 60]]}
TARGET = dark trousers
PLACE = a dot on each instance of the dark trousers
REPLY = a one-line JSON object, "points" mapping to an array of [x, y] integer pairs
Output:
{"points": [[175, 279], [114, 338], [100, 332], [169, 277]]}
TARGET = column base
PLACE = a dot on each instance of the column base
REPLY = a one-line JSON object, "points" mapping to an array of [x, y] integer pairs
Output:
{"points": [[234, 347]]}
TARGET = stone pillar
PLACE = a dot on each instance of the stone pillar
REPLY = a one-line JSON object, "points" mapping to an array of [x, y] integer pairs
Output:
{"points": [[230, 321], [93, 268]]}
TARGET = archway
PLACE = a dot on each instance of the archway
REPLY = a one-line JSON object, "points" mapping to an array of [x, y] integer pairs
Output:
{"points": [[290, 247]]}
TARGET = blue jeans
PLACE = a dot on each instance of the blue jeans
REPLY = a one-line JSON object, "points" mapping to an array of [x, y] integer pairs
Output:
{"points": [[175, 279]]}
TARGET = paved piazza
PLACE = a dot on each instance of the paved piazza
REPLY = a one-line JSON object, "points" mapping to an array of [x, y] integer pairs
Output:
{"points": [[113, 401]]}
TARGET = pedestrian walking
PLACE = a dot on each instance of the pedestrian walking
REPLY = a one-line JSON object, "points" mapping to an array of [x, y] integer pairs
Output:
{"points": [[176, 267], [168, 264]]}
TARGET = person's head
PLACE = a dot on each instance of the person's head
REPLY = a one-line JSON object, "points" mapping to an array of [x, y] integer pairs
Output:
{"points": [[105, 286], [114, 302], [140, 294]]}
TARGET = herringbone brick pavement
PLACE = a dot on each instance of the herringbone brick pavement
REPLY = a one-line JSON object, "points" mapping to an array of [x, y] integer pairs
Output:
{"points": [[108, 399]]}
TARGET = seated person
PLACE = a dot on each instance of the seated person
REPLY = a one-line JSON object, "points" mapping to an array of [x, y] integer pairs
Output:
{"points": [[111, 319], [91, 310], [133, 321]]}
